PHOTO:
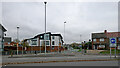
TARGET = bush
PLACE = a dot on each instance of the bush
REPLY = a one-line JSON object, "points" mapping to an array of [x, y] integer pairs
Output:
{"points": [[76, 47], [112, 52]]}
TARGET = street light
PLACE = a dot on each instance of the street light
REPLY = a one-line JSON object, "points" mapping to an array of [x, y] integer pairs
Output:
{"points": [[45, 27], [17, 38], [64, 35], [80, 38], [89, 44]]}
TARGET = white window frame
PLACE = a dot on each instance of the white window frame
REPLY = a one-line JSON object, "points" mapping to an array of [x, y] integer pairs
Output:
{"points": [[43, 41], [119, 39], [102, 39], [53, 37], [94, 40], [52, 42], [101, 46], [48, 42]]}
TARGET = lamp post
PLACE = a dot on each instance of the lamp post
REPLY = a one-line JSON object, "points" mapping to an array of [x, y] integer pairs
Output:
{"points": [[89, 44], [45, 27], [80, 38], [17, 38], [64, 35]]}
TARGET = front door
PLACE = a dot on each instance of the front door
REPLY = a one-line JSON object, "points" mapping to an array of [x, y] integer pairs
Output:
{"points": [[95, 47]]}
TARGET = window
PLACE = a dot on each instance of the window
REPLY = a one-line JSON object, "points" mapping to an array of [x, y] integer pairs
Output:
{"points": [[47, 42], [34, 42], [53, 43], [119, 46], [53, 37], [119, 39], [41, 36], [43, 43], [46, 37], [94, 40], [102, 39], [102, 46]]}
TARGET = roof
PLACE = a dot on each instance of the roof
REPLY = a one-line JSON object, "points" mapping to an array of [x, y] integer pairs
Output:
{"points": [[99, 35], [42, 34], [113, 34], [1, 27], [57, 35], [50, 34], [106, 35]]}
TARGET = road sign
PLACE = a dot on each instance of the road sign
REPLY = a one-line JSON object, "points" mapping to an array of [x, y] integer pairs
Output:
{"points": [[112, 42], [112, 45]]}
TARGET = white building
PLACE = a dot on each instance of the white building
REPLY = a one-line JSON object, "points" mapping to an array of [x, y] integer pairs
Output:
{"points": [[2, 30], [53, 41]]}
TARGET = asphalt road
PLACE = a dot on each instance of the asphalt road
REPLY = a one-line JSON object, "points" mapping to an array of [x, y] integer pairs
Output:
{"points": [[36, 59], [59, 57], [5, 59], [83, 63]]}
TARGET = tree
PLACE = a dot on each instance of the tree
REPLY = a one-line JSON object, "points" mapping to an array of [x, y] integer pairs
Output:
{"points": [[16, 40], [25, 44], [75, 45]]}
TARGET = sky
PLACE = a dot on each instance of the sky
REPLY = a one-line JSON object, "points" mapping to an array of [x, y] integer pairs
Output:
{"points": [[82, 18]]}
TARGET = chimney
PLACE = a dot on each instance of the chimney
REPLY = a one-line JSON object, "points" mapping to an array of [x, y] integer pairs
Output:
{"points": [[105, 31]]}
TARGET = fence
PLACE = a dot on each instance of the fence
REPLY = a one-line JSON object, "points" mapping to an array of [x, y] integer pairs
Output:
{"points": [[29, 50]]}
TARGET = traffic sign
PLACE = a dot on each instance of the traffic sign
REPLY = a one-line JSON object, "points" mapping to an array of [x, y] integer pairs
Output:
{"points": [[112, 42]]}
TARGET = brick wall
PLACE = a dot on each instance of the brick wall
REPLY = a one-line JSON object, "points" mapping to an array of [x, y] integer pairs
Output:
{"points": [[35, 48]]}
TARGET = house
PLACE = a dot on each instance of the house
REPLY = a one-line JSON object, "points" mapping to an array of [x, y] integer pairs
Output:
{"points": [[7, 41], [102, 40], [2, 30], [54, 42]]}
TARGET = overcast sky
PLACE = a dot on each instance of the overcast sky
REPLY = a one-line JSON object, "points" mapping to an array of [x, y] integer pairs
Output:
{"points": [[82, 18]]}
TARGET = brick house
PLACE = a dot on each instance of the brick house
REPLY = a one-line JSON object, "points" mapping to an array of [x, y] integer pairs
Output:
{"points": [[101, 40], [54, 42], [7, 41]]}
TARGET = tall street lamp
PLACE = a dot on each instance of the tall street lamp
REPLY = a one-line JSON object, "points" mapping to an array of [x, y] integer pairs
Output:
{"points": [[80, 38], [17, 38], [64, 33], [45, 27]]}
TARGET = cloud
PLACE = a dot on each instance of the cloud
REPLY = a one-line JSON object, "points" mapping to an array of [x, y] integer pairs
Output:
{"points": [[81, 17]]}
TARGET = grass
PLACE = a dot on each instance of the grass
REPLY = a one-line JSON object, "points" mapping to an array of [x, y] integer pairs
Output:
{"points": [[79, 50], [112, 52]]}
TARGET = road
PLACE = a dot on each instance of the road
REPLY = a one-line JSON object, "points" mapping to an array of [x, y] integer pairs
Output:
{"points": [[36, 59], [76, 59], [83, 63]]}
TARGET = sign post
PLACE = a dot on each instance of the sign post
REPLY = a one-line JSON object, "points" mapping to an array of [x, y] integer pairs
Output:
{"points": [[112, 44], [115, 51], [110, 52], [17, 48]]}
